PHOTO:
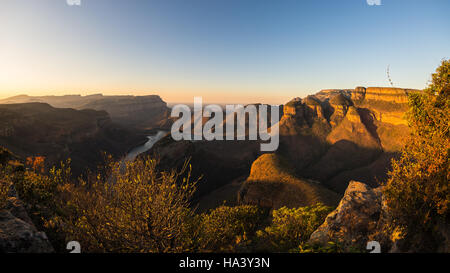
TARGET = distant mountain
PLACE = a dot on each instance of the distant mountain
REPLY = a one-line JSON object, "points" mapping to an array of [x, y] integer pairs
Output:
{"points": [[38, 129], [145, 112]]}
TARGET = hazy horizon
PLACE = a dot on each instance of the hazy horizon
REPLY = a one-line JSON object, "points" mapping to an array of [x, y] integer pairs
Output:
{"points": [[225, 51], [188, 102]]}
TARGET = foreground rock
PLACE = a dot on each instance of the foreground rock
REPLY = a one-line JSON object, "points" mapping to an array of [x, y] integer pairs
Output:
{"points": [[17, 232], [363, 216], [354, 222]]}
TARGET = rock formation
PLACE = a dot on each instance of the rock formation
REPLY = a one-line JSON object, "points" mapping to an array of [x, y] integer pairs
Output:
{"points": [[362, 216], [271, 184], [18, 234], [335, 134], [354, 220]]}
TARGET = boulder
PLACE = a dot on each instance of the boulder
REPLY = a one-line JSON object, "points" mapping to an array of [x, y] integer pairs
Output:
{"points": [[17, 232], [354, 220]]}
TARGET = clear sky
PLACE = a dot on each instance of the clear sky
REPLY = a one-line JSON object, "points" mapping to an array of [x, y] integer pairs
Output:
{"points": [[224, 50]]}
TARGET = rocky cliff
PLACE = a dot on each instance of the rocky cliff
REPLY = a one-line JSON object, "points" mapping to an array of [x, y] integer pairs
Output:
{"points": [[338, 135], [38, 129], [142, 111]]}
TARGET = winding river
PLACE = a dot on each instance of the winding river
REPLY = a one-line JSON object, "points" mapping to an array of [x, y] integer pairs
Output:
{"points": [[144, 148]]}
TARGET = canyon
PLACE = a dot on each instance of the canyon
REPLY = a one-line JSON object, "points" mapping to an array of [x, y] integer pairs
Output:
{"points": [[326, 140], [143, 112]]}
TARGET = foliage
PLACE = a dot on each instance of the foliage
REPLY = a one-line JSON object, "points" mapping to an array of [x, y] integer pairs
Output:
{"points": [[330, 247], [37, 188], [417, 191], [226, 228], [291, 227], [6, 170], [4, 186], [136, 209]]}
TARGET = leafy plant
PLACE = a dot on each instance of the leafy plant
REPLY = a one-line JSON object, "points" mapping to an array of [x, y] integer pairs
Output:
{"points": [[135, 209], [417, 191], [291, 227], [225, 228]]}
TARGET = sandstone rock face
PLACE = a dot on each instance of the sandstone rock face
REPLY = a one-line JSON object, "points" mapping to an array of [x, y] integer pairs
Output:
{"points": [[394, 117], [340, 104], [355, 219], [358, 94], [17, 232], [294, 109], [397, 95]]}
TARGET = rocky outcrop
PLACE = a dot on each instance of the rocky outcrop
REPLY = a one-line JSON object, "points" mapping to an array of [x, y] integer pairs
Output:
{"points": [[17, 232], [354, 221], [340, 104], [358, 94], [362, 216]]}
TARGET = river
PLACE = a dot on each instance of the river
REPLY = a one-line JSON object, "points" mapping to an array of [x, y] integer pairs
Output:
{"points": [[144, 148]]}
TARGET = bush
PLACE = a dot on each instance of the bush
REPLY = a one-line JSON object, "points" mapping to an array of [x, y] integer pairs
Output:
{"points": [[4, 188], [291, 227], [225, 228], [37, 188], [417, 191], [135, 209]]}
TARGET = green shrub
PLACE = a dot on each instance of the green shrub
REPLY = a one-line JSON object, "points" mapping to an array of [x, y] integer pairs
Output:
{"points": [[291, 227], [36, 188], [226, 228], [4, 188]]}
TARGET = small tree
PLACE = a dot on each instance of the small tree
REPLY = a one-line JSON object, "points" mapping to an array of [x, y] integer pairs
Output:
{"points": [[417, 191]]}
